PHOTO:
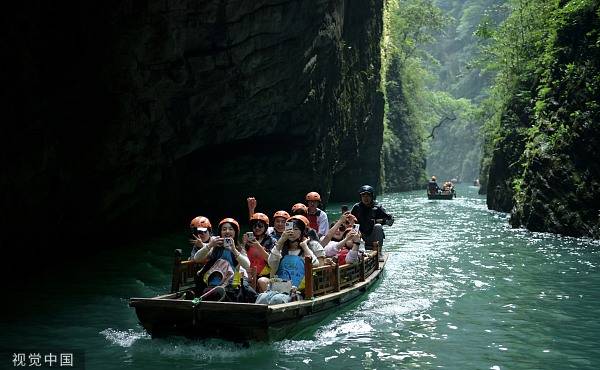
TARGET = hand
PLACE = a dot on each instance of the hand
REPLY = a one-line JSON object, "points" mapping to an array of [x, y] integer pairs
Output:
{"points": [[351, 234], [214, 242], [251, 203], [288, 234], [197, 242], [304, 244]]}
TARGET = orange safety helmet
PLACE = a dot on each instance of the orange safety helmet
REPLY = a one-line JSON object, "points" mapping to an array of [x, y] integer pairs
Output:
{"points": [[313, 195], [301, 218], [260, 217], [433, 178], [283, 214], [231, 221], [299, 206], [200, 221]]}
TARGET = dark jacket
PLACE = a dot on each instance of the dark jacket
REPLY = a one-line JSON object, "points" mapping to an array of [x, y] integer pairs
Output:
{"points": [[366, 216], [432, 187]]}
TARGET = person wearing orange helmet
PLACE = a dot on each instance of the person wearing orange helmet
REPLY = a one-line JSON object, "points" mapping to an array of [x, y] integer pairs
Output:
{"points": [[302, 210], [287, 260], [223, 254], [299, 209], [279, 218], [258, 245], [278, 227], [317, 217], [201, 231]]}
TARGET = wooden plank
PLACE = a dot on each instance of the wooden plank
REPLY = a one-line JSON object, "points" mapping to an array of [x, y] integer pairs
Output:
{"points": [[362, 269], [336, 278], [176, 278]]}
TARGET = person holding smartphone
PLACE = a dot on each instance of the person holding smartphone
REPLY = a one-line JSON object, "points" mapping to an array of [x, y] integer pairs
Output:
{"points": [[336, 233], [222, 255], [279, 218], [287, 260], [258, 245]]}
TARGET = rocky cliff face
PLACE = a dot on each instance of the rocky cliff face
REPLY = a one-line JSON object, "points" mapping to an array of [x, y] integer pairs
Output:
{"points": [[139, 115], [403, 151], [505, 164], [545, 168], [561, 177]]}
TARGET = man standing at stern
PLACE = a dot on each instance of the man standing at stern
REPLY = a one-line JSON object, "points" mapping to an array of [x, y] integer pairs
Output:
{"points": [[371, 216]]}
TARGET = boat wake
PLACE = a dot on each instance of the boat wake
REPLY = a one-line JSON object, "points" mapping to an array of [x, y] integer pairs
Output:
{"points": [[123, 338]]}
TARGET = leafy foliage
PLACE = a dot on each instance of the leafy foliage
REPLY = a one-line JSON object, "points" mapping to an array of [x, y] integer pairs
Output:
{"points": [[547, 55]]}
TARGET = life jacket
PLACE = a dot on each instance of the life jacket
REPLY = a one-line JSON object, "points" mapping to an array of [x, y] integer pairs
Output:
{"points": [[342, 256], [257, 261], [312, 219], [292, 268]]}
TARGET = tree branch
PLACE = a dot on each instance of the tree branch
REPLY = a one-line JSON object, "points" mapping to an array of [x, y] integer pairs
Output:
{"points": [[442, 121]]}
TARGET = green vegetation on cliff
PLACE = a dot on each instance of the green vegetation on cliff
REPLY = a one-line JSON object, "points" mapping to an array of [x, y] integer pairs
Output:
{"points": [[543, 134], [409, 24], [431, 121]]}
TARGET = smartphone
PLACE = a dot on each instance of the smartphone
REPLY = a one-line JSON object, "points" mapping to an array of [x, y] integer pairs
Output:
{"points": [[250, 236], [289, 225], [356, 227], [228, 243]]}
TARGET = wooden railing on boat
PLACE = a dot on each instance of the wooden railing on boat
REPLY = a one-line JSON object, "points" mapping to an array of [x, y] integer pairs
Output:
{"points": [[318, 280]]}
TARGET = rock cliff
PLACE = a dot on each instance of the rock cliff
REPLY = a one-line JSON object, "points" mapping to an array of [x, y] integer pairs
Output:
{"points": [[135, 116], [544, 168]]}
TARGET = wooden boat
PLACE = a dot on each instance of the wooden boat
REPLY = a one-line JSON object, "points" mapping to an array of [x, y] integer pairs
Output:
{"points": [[444, 195], [327, 288]]}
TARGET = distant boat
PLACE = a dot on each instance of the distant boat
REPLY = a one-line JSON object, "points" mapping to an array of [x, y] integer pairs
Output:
{"points": [[476, 182], [445, 195]]}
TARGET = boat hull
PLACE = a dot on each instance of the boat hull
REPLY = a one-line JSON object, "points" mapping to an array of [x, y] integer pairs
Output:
{"points": [[166, 315], [441, 196]]}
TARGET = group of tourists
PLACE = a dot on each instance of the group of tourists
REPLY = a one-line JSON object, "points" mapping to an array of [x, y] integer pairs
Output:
{"points": [[277, 250]]}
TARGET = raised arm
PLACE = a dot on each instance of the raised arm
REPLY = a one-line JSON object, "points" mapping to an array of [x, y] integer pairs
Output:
{"points": [[327, 238], [251, 201]]}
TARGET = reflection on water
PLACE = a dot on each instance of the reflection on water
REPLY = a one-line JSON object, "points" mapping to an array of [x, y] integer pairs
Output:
{"points": [[461, 290]]}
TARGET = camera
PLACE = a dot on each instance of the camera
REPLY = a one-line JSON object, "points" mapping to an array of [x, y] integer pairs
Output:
{"points": [[228, 243], [250, 236], [356, 227], [289, 225]]}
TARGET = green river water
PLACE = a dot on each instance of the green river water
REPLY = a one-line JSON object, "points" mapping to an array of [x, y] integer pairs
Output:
{"points": [[461, 290]]}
